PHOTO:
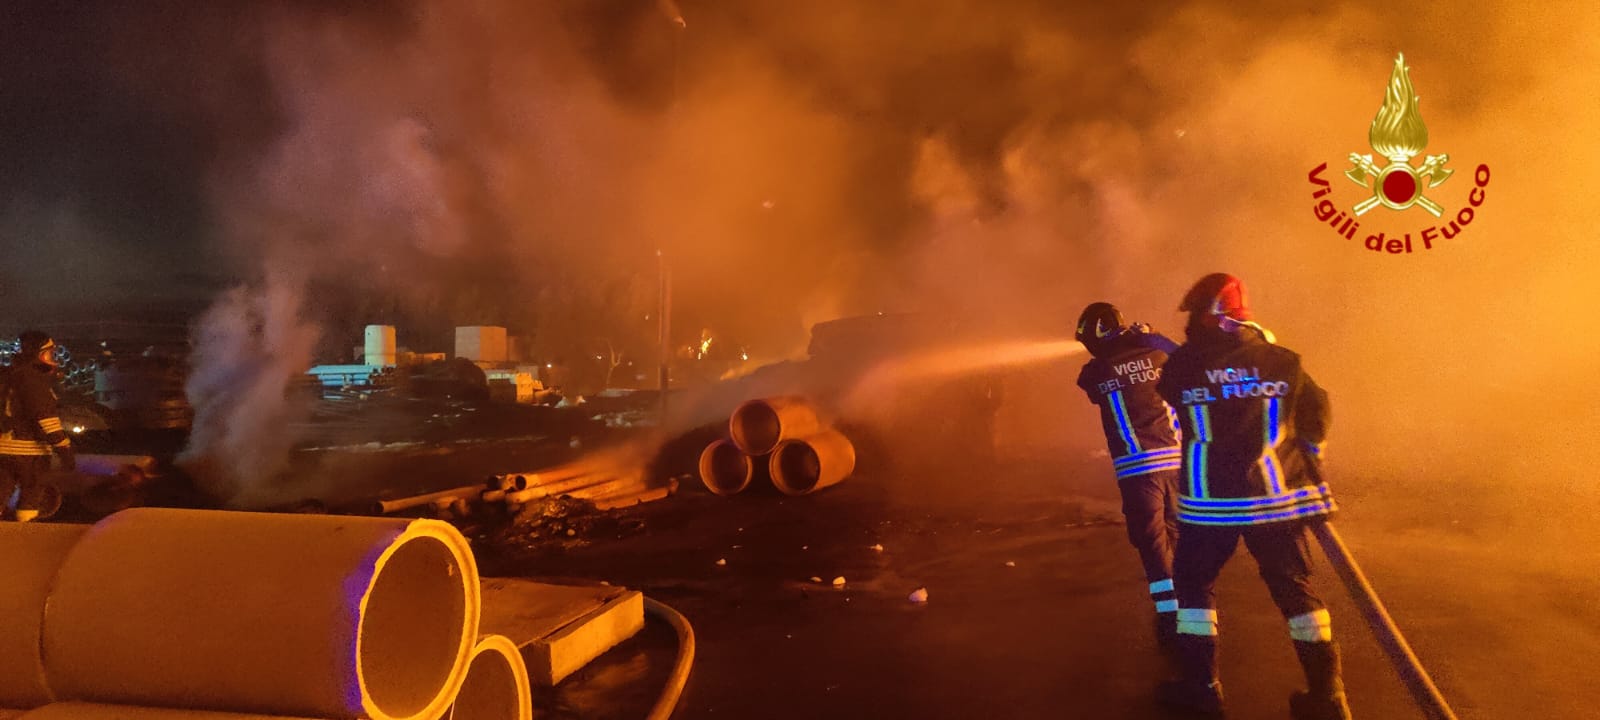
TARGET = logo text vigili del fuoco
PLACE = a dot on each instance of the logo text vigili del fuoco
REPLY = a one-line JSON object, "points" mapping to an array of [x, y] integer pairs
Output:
{"points": [[1397, 135]]}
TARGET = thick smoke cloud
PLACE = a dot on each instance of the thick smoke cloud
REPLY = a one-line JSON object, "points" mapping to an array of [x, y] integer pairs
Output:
{"points": [[521, 163]]}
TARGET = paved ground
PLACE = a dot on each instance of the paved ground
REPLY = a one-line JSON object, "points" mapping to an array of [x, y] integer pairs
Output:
{"points": [[1062, 633]]}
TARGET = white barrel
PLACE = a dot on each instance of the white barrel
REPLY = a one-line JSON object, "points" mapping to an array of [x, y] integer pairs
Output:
{"points": [[496, 687], [31, 553], [284, 614], [379, 348]]}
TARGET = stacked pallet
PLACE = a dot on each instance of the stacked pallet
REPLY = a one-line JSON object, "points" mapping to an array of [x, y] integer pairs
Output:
{"points": [[781, 439]]}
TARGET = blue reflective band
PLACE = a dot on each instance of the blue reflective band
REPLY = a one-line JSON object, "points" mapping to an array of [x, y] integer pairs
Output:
{"points": [[1147, 468], [1246, 503], [1318, 507], [1166, 453], [1274, 430], [1119, 410], [1274, 480]]}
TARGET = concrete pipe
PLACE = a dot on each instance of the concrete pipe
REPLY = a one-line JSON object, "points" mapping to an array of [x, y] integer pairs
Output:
{"points": [[92, 711], [757, 426], [33, 552], [809, 464], [725, 469], [306, 615], [496, 687]]}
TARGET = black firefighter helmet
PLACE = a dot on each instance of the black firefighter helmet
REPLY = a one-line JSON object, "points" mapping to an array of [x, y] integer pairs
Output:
{"points": [[1098, 324], [32, 344]]}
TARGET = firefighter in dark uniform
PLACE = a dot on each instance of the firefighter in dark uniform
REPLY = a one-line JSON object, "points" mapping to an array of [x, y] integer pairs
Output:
{"points": [[31, 430], [1141, 434], [1253, 424]]}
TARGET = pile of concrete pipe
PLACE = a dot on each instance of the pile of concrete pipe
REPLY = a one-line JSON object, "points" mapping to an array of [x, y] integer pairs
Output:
{"points": [[164, 614], [605, 486], [781, 439]]}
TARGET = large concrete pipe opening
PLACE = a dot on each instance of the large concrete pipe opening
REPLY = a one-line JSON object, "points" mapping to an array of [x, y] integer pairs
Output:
{"points": [[406, 653], [809, 464], [299, 615], [32, 553], [496, 686], [725, 469], [93, 711], [757, 426]]}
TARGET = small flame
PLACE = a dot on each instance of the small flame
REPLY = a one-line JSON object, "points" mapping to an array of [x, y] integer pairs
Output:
{"points": [[1397, 132]]}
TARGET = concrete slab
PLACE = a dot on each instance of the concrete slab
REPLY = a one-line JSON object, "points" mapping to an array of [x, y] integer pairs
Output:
{"points": [[559, 628]]}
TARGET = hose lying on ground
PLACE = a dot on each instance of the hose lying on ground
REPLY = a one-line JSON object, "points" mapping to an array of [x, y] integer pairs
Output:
{"points": [[668, 702], [1394, 644]]}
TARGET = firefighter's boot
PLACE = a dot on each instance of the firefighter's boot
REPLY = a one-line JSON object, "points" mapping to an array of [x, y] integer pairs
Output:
{"points": [[1197, 690], [1166, 628], [1325, 700]]}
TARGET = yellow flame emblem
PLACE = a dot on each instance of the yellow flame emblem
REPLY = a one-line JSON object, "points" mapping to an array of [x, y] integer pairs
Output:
{"points": [[1398, 134]]}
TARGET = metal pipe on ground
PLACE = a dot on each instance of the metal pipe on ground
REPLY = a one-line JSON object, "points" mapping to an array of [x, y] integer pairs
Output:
{"points": [[563, 487], [496, 686], [301, 615], [33, 554], [636, 497], [549, 475], [610, 485], [384, 507], [757, 426], [511, 483], [725, 469], [94, 711], [805, 465]]}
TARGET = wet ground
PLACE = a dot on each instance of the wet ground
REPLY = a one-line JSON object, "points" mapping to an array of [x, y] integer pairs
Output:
{"points": [[1036, 609]]}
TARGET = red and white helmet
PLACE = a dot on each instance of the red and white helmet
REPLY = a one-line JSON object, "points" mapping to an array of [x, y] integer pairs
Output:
{"points": [[1218, 300]]}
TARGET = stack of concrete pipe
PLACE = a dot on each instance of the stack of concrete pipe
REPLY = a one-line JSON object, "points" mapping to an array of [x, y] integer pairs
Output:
{"points": [[163, 614], [782, 439]]}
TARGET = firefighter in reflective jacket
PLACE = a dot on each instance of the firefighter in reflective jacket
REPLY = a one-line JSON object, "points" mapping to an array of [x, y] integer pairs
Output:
{"points": [[1253, 424], [1141, 435], [31, 430]]}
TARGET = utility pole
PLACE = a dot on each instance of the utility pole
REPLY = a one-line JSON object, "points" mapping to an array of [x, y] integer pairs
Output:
{"points": [[669, 9], [664, 327]]}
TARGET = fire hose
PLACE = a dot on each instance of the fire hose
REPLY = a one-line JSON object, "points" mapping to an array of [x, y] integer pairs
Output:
{"points": [[668, 702], [1412, 674]]}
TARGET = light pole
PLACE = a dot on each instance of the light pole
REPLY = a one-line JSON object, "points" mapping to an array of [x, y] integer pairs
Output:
{"points": [[664, 326], [669, 8]]}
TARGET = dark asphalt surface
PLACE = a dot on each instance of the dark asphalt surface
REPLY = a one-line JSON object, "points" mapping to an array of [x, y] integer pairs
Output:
{"points": [[1064, 633]]}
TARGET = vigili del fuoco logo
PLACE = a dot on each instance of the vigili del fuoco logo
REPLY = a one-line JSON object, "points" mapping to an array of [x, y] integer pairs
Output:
{"points": [[1397, 135]]}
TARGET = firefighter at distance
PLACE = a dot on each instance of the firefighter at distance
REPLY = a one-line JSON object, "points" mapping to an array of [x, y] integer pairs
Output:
{"points": [[31, 431], [1141, 435], [1253, 424]]}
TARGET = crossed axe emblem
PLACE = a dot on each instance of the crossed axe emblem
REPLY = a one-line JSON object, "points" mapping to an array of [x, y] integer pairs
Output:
{"points": [[1403, 193]]}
